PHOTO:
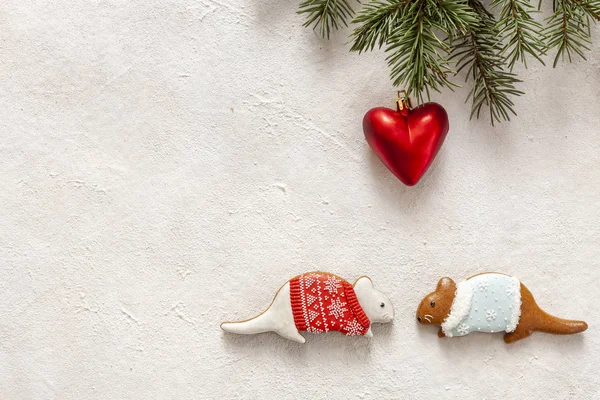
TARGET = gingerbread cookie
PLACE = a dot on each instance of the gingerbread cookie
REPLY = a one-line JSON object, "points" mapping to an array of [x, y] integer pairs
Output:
{"points": [[320, 302], [490, 302]]}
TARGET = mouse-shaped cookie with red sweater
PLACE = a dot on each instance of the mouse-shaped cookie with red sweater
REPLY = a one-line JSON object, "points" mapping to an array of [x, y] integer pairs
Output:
{"points": [[319, 302], [490, 302]]}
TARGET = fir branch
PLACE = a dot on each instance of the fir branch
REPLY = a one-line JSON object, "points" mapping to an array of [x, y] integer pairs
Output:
{"points": [[414, 33], [377, 19], [423, 38], [417, 56], [453, 17], [519, 31], [478, 52], [568, 28], [480, 9], [589, 7], [327, 15]]}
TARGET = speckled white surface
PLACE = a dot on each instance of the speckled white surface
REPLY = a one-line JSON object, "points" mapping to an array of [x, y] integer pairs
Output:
{"points": [[166, 165]]}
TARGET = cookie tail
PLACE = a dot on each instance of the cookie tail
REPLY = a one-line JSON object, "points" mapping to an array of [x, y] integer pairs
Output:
{"points": [[551, 324], [258, 324]]}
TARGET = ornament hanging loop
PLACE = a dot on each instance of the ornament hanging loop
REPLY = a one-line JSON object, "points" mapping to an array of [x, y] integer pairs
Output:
{"points": [[403, 103]]}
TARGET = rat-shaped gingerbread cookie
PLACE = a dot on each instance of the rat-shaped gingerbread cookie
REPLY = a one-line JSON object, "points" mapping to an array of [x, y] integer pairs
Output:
{"points": [[490, 302], [319, 302]]}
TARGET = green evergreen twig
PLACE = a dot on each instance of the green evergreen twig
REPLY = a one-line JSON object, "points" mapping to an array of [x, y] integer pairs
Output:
{"points": [[568, 29], [426, 39], [326, 14], [478, 52], [414, 33], [519, 31], [417, 55], [377, 21]]}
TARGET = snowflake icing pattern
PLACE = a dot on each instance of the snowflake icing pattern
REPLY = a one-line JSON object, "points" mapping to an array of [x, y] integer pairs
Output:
{"points": [[483, 286], [332, 284], [354, 328], [510, 292], [462, 329], [337, 309], [490, 315]]}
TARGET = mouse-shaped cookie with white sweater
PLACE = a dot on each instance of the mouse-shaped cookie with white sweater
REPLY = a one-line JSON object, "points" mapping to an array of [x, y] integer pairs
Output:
{"points": [[490, 302], [319, 302]]}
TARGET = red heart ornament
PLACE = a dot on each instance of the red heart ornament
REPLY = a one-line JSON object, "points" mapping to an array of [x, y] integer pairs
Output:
{"points": [[406, 140]]}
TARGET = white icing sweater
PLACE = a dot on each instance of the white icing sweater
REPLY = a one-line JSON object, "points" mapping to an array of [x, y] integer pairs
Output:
{"points": [[485, 303]]}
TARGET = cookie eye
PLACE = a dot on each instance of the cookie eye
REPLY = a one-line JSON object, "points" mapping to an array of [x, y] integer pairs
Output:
{"points": [[432, 304], [382, 305]]}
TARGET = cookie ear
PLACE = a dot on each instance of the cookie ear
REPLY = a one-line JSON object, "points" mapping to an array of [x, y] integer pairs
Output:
{"points": [[363, 281], [445, 284]]}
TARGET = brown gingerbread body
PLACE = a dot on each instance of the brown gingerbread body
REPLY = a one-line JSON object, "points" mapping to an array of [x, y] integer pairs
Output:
{"points": [[436, 308]]}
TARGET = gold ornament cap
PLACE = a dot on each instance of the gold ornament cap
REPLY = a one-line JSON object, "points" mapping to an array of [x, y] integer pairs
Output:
{"points": [[403, 102]]}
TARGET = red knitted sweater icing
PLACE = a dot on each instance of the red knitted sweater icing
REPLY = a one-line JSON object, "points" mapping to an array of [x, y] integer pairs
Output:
{"points": [[323, 302]]}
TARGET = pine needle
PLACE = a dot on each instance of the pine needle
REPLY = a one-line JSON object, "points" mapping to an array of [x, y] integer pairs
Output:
{"points": [[519, 31], [478, 52], [378, 19], [568, 30], [327, 15], [426, 39]]}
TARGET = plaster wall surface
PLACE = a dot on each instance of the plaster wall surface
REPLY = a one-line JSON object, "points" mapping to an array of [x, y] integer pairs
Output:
{"points": [[168, 165]]}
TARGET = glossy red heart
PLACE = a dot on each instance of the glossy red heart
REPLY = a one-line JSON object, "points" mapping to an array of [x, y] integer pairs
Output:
{"points": [[407, 141]]}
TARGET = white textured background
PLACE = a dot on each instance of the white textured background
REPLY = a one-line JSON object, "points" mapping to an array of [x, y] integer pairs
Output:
{"points": [[166, 165]]}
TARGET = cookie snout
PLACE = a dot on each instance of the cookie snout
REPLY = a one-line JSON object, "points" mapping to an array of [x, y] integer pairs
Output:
{"points": [[424, 318]]}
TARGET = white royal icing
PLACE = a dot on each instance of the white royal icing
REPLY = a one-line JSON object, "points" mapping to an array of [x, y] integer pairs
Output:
{"points": [[484, 303], [460, 307]]}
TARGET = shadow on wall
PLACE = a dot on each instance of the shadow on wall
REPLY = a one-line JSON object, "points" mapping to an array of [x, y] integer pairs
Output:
{"points": [[336, 345], [471, 346], [396, 192], [273, 10]]}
